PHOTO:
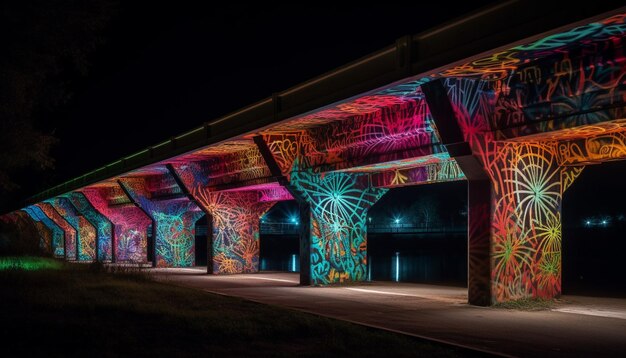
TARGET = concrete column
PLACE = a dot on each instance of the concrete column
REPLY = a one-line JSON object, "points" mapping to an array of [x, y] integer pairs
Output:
{"points": [[515, 195], [45, 234], [69, 233], [130, 223], [99, 221], [338, 204], [56, 233], [85, 231], [174, 223], [526, 196], [234, 216]]}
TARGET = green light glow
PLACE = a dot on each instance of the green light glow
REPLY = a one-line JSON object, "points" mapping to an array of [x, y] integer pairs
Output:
{"points": [[28, 263]]}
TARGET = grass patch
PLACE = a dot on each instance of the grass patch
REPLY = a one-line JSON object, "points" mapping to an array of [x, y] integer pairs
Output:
{"points": [[86, 311], [29, 263], [527, 304]]}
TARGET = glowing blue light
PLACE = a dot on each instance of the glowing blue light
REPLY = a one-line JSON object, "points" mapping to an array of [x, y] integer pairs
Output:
{"points": [[604, 222], [397, 267], [588, 222], [293, 262]]}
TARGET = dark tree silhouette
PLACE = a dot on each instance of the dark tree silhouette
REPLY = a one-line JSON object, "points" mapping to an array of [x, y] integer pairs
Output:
{"points": [[46, 47]]}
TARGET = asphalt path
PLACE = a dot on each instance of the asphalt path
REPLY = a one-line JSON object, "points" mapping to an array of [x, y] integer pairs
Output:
{"points": [[574, 327]]}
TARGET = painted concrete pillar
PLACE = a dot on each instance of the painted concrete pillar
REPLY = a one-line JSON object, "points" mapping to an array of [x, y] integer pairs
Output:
{"points": [[56, 233], [528, 185], [235, 218], [515, 195], [45, 233], [69, 233], [85, 231], [130, 223], [99, 221], [174, 222], [338, 204]]}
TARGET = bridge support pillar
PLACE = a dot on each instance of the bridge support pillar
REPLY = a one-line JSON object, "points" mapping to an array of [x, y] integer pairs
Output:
{"points": [[86, 249], [129, 236], [99, 221], [45, 233], [69, 233], [235, 217], [174, 222], [56, 233], [527, 186], [515, 195], [334, 206], [235, 221]]}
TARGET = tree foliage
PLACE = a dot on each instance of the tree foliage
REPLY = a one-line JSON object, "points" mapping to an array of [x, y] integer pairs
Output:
{"points": [[46, 46]]}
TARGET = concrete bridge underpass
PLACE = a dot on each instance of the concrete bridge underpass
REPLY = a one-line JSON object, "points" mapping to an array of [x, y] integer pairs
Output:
{"points": [[518, 116]]}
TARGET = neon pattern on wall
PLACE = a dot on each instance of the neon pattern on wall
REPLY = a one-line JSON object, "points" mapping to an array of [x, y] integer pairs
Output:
{"points": [[130, 222], [235, 217], [45, 234], [99, 221], [57, 240], [85, 232], [339, 204], [532, 115], [68, 230], [529, 178], [174, 220]]}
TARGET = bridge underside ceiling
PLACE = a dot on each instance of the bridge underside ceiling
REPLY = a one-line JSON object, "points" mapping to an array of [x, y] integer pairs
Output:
{"points": [[573, 79]]}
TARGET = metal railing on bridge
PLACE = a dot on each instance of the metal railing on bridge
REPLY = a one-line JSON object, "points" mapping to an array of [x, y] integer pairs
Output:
{"points": [[288, 228]]}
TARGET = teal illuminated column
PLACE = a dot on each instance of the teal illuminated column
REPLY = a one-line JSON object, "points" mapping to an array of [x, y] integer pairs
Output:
{"points": [[45, 232], [69, 233], [57, 239], [337, 243], [235, 217], [174, 217], [99, 221], [85, 231]]}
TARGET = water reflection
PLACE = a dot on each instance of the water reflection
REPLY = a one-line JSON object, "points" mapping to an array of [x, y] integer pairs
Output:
{"points": [[428, 258]]}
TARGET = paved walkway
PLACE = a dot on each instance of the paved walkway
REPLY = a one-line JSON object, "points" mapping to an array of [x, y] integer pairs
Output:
{"points": [[577, 326]]}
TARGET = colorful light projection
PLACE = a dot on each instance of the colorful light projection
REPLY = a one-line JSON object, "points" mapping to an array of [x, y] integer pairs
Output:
{"points": [[500, 65], [68, 230], [57, 236], [235, 217], [370, 130], [130, 222], [99, 221], [339, 204], [567, 80], [570, 93], [45, 234], [85, 231], [174, 219]]}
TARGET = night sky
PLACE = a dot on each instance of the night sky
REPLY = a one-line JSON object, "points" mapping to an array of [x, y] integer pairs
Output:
{"points": [[163, 70]]}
